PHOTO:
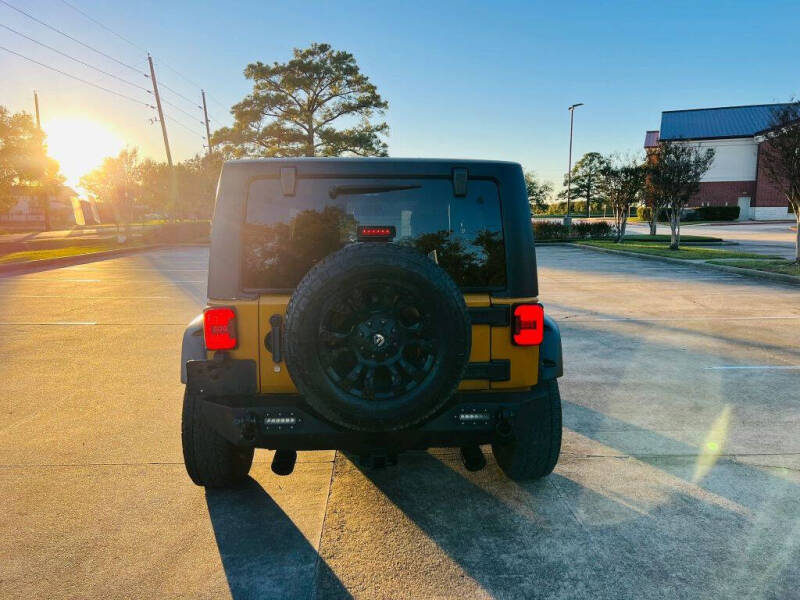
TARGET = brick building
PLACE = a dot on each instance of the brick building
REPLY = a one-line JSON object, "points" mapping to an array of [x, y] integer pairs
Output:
{"points": [[737, 135]]}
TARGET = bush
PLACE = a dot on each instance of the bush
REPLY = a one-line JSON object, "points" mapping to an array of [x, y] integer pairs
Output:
{"points": [[591, 230], [555, 230], [549, 230], [183, 232], [718, 213], [644, 212]]}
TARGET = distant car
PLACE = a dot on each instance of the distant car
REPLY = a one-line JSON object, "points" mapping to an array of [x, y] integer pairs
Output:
{"points": [[373, 306]]}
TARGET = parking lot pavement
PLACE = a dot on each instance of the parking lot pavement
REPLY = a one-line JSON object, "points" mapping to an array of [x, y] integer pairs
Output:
{"points": [[678, 478]]}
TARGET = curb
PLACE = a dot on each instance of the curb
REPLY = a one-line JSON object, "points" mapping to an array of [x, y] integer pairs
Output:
{"points": [[78, 259], [781, 277]]}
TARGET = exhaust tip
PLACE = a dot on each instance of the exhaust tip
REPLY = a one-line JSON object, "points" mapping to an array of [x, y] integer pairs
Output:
{"points": [[283, 462], [472, 457]]}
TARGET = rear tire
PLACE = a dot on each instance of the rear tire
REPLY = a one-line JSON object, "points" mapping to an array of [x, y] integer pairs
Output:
{"points": [[535, 442], [211, 460]]}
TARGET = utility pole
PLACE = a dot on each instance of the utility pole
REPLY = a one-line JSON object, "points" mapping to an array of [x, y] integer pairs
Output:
{"points": [[172, 182], [36, 104], [44, 198], [568, 219], [205, 116]]}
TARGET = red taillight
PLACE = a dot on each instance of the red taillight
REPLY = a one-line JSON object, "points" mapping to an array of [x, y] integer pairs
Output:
{"points": [[219, 328], [376, 232], [527, 325]]}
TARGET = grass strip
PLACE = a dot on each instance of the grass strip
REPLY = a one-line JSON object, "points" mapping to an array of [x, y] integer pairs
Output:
{"points": [[29, 255], [686, 253], [664, 237], [772, 266]]}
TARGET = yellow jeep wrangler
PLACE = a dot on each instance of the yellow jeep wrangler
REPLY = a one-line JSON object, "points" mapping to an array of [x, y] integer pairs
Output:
{"points": [[372, 306]]}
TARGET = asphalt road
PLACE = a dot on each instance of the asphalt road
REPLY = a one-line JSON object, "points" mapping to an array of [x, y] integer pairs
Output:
{"points": [[679, 476], [761, 238]]}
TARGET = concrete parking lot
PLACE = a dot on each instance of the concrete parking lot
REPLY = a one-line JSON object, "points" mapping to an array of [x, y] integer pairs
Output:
{"points": [[679, 477]]}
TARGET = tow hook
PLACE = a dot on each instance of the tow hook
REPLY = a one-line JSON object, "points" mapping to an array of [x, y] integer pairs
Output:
{"points": [[504, 428]]}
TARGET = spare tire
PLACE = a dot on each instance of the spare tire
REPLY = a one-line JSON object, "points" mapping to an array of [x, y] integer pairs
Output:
{"points": [[377, 337]]}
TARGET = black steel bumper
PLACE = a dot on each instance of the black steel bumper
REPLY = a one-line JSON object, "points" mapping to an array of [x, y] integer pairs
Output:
{"points": [[233, 407]]}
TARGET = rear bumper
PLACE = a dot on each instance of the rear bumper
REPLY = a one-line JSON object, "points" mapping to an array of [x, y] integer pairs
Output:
{"points": [[232, 405], [288, 423]]}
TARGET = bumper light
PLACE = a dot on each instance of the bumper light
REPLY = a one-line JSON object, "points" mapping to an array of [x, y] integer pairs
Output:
{"points": [[473, 417]]}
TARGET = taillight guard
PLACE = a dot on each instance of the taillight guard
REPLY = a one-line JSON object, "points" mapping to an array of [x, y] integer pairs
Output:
{"points": [[527, 324], [219, 328]]}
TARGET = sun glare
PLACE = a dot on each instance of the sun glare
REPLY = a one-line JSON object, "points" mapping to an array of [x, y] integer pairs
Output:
{"points": [[79, 145]]}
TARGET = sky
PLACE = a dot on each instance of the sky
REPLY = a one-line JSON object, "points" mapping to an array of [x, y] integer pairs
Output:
{"points": [[489, 80]]}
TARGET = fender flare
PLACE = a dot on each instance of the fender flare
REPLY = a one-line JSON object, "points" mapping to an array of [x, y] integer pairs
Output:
{"points": [[193, 347], [551, 361]]}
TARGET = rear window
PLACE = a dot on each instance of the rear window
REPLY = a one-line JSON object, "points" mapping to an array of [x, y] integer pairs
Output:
{"points": [[284, 236]]}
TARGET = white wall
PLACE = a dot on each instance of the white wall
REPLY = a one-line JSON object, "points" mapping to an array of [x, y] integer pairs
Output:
{"points": [[770, 213], [734, 160]]}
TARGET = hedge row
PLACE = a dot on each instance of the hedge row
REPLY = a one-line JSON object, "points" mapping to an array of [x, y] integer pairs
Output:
{"points": [[700, 213], [556, 230], [182, 232], [718, 213]]}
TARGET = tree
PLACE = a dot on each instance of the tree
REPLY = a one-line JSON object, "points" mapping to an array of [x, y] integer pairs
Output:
{"points": [[24, 161], [674, 177], [584, 180], [294, 105], [117, 183], [782, 159], [621, 182], [539, 192]]}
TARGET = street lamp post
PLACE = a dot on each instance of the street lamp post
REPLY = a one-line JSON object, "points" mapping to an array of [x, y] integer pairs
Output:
{"points": [[567, 219]]}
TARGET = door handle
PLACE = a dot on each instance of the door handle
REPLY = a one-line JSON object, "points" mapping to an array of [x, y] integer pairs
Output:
{"points": [[273, 340]]}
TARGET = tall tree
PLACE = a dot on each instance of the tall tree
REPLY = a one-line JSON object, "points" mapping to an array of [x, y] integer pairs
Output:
{"points": [[539, 192], [621, 182], [295, 106], [24, 161], [674, 177], [782, 159], [584, 180]]}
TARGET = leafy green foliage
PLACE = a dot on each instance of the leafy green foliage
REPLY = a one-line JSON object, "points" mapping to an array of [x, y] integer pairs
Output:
{"points": [[294, 106], [585, 180], [718, 213], [581, 230], [674, 177], [621, 182], [539, 192], [24, 160], [134, 187], [782, 159]]}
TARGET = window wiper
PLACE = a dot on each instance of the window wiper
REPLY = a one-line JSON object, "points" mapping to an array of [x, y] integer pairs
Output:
{"points": [[351, 190]]}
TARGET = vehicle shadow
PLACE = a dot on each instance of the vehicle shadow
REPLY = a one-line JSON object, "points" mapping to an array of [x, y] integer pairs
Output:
{"points": [[557, 538], [263, 552]]}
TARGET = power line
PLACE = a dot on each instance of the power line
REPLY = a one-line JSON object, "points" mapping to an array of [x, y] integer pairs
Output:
{"points": [[76, 59], [176, 107], [186, 127], [106, 27], [76, 40], [160, 62], [100, 87], [192, 102]]}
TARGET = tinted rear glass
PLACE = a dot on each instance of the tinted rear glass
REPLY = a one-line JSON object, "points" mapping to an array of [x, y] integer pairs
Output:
{"points": [[284, 236]]}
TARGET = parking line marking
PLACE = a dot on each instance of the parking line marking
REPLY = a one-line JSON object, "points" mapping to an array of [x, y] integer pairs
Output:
{"points": [[732, 367], [677, 318], [54, 323]]}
